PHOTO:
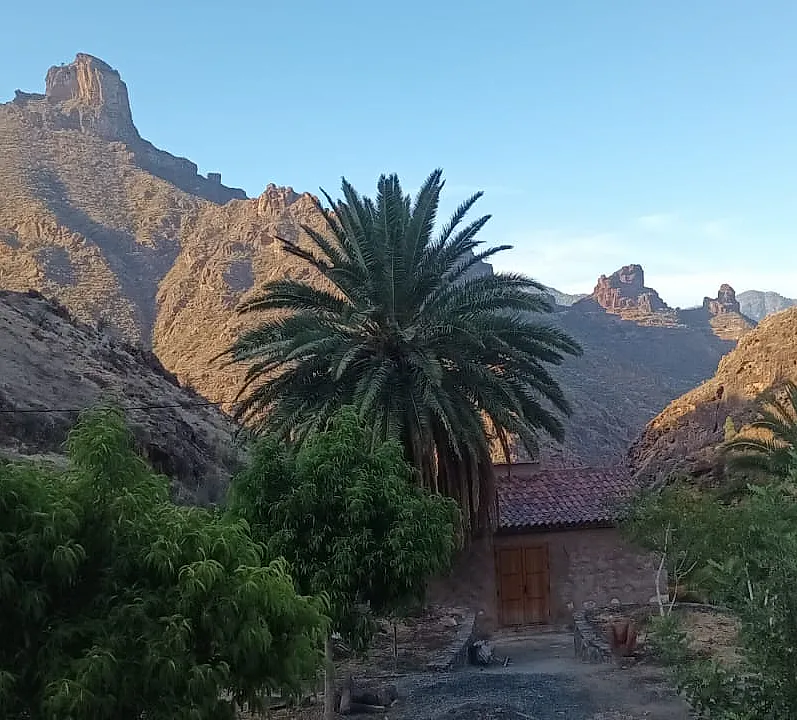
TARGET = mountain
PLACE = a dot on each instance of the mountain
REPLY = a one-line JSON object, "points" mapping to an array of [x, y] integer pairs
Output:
{"points": [[564, 299], [624, 294], [128, 236], [52, 364], [757, 304], [630, 370], [684, 436], [132, 240]]}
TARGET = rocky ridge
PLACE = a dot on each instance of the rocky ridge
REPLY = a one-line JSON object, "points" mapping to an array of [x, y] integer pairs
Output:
{"points": [[683, 438], [629, 371], [623, 293], [89, 96], [52, 365]]}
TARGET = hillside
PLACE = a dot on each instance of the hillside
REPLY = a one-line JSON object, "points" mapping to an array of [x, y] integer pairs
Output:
{"points": [[683, 437], [51, 364], [629, 371], [757, 304], [126, 235], [564, 299], [132, 239]]}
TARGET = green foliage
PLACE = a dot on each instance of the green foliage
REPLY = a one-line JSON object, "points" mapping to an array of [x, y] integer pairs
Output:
{"points": [[678, 523], [668, 639], [770, 450], [745, 556], [349, 521], [115, 603], [400, 323]]}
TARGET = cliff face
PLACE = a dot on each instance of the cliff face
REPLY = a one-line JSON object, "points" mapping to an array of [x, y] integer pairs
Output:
{"points": [[52, 365], [124, 234], [624, 293], [89, 96], [757, 305], [683, 438]]}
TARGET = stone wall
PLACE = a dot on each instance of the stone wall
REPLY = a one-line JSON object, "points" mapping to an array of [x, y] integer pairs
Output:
{"points": [[589, 644], [588, 568], [471, 584], [591, 568]]}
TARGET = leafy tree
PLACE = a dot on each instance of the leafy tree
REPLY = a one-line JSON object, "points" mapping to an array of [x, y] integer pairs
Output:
{"points": [[746, 557], [350, 522], [678, 524], [401, 324], [769, 449], [115, 603]]}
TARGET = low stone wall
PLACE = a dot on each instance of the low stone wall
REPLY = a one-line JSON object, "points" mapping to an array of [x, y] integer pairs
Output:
{"points": [[588, 643], [456, 654]]}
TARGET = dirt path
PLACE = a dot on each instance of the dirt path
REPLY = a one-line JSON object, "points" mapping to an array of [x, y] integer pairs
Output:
{"points": [[543, 681]]}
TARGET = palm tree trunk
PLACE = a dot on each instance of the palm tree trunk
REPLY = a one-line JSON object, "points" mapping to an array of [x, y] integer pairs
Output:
{"points": [[329, 679]]}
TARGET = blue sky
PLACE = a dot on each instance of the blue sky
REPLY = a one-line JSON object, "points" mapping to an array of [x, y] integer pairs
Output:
{"points": [[604, 133]]}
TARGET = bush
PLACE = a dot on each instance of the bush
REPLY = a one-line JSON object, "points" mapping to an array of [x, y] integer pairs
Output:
{"points": [[351, 523], [745, 555], [115, 603], [349, 520]]}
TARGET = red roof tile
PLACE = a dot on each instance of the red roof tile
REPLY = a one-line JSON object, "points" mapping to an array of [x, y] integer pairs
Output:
{"points": [[530, 496]]}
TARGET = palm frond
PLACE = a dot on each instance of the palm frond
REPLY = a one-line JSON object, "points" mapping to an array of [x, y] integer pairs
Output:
{"points": [[394, 322]]}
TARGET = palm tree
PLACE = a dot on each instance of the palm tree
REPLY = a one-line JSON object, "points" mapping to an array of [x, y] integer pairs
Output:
{"points": [[771, 449], [401, 324]]}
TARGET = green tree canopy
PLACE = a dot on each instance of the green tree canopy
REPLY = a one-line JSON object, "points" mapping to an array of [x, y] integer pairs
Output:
{"points": [[743, 555], [349, 521], [117, 604], [401, 323]]}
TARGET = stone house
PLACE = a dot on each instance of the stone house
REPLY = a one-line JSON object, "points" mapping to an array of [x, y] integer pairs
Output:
{"points": [[557, 548]]}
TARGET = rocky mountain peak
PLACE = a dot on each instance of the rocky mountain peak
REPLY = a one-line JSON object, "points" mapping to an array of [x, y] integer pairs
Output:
{"points": [[276, 199], [86, 94], [89, 96], [724, 303], [624, 290]]}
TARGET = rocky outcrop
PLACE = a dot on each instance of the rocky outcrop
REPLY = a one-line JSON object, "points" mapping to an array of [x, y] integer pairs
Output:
{"points": [[684, 437], [52, 366], [756, 304], [89, 96], [724, 303], [624, 290]]}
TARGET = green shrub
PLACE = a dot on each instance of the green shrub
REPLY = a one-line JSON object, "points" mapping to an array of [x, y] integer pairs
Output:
{"points": [[745, 554], [115, 603], [350, 521]]}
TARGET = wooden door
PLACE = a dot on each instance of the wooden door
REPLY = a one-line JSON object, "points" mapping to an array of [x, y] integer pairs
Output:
{"points": [[523, 585], [536, 584]]}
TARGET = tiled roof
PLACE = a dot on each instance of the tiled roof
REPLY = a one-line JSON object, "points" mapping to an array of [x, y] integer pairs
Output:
{"points": [[533, 497]]}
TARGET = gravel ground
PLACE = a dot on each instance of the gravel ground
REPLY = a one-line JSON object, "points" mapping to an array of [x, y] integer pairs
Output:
{"points": [[542, 681], [493, 695]]}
